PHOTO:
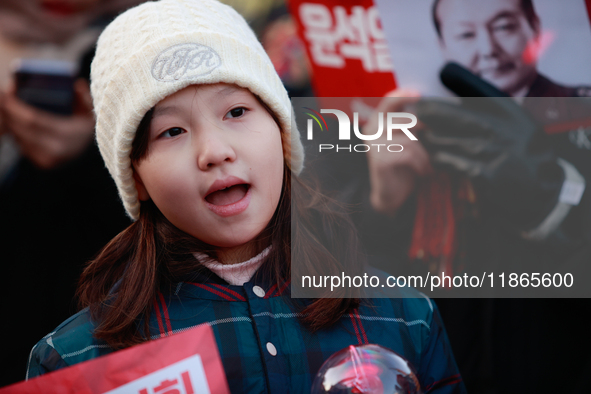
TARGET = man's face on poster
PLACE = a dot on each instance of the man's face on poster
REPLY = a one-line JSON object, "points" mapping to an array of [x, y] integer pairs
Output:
{"points": [[490, 38]]}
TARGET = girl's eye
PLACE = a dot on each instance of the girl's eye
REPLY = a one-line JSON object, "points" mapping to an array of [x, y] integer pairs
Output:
{"points": [[172, 132], [236, 112]]}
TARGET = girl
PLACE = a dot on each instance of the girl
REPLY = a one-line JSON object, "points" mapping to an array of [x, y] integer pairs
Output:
{"points": [[195, 127]]}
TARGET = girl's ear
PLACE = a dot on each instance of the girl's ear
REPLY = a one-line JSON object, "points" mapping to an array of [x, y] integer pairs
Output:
{"points": [[141, 189]]}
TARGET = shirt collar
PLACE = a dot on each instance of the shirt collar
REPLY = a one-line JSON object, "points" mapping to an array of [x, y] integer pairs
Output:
{"points": [[234, 274], [206, 284]]}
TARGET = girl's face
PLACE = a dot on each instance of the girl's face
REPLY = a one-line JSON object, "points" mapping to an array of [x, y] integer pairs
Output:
{"points": [[215, 164]]}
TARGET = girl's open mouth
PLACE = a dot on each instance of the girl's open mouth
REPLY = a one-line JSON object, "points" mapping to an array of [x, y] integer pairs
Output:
{"points": [[229, 201]]}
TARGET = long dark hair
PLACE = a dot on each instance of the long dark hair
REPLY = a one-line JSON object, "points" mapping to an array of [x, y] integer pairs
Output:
{"points": [[120, 284]]}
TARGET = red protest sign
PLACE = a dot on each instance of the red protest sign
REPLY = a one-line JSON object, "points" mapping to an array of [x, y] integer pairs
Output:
{"points": [[184, 363], [346, 47]]}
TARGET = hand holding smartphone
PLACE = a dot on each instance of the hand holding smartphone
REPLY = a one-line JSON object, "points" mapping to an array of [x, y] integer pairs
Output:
{"points": [[46, 84], [49, 112]]}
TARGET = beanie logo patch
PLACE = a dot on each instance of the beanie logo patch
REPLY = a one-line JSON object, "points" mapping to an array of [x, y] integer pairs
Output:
{"points": [[185, 61]]}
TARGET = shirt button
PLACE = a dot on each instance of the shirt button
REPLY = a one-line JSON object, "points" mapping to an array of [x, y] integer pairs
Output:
{"points": [[258, 291], [271, 349]]}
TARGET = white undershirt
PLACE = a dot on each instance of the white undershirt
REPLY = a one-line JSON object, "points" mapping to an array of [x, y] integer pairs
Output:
{"points": [[234, 274]]}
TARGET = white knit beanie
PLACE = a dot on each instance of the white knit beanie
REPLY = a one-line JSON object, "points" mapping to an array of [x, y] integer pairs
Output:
{"points": [[158, 48]]}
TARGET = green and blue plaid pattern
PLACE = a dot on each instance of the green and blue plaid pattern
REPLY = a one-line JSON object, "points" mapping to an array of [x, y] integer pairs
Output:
{"points": [[263, 346]]}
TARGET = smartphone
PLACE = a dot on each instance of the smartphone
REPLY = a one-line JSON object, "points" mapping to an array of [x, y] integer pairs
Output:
{"points": [[46, 84]]}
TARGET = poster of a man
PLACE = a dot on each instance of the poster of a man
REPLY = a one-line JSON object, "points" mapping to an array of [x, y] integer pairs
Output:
{"points": [[492, 39], [523, 47], [526, 48]]}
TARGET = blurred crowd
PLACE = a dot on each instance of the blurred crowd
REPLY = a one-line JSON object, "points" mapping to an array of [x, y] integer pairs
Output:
{"points": [[51, 174]]}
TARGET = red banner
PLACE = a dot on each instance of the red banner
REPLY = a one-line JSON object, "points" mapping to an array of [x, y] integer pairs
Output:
{"points": [[346, 47], [186, 363]]}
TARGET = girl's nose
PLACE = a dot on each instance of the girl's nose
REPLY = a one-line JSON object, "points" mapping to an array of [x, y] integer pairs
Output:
{"points": [[214, 149]]}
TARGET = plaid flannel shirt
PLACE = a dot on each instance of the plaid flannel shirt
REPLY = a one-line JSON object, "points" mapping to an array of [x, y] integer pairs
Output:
{"points": [[263, 346]]}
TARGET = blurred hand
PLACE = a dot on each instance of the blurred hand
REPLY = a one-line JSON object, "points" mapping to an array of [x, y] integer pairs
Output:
{"points": [[489, 138], [2, 127], [46, 139], [393, 176]]}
